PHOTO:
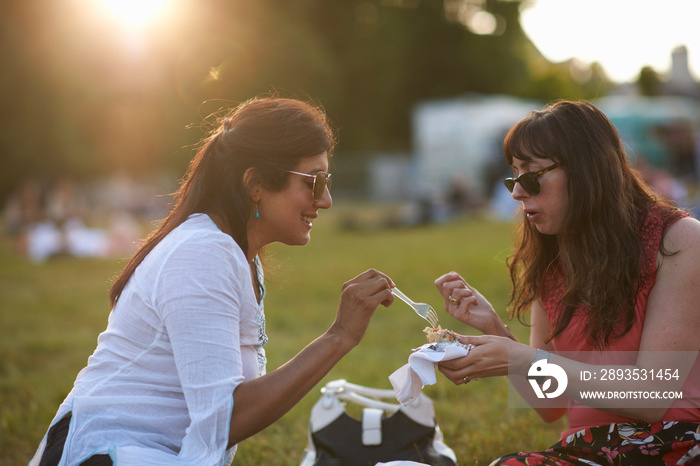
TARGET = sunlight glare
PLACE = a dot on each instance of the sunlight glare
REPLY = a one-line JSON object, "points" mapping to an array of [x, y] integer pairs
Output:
{"points": [[622, 35], [135, 12], [483, 23]]}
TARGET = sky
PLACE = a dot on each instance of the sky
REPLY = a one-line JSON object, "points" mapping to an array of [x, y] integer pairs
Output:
{"points": [[621, 35]]}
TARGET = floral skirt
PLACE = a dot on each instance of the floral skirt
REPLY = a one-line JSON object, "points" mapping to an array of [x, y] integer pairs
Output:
{"points": [[638, 443]]}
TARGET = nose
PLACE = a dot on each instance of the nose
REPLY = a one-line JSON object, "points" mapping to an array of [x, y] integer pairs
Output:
{"points": [[326, 201], [519, 193]]}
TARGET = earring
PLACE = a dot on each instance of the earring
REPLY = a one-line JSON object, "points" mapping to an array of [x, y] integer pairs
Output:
{"points": [[257, 212]]}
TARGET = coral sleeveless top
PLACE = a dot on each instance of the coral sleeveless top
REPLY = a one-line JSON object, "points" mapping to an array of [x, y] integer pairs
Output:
{"points": [[573, 337]]}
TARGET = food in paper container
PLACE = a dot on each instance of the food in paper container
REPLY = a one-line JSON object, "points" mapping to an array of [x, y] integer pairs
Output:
{"points": [[439, 335]]}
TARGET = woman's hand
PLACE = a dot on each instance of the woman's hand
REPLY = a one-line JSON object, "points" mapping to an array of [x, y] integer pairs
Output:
{"points": [[263, 400], [358, 301], [491, 356], [466, 304]]}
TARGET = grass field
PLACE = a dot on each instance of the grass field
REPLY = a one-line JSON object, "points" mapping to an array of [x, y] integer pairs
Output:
{"points": [[52, 313]]}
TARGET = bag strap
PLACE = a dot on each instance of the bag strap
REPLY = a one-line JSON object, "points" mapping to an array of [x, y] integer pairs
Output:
{"points": [[372, 426], [368, 402], [359, 394], [373, 392]]}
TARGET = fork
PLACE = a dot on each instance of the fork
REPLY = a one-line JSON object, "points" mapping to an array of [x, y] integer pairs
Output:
{"points": [[424, 310]]}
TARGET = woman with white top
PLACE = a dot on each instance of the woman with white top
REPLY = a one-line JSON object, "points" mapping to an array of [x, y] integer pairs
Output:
{"points": [[178, 376]]}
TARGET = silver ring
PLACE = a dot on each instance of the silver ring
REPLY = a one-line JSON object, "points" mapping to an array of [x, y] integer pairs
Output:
{"points": [[466, 379], [452, 300]]}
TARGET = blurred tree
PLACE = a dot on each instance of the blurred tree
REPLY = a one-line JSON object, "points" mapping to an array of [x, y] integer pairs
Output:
{"points": [[85, 95], [649, 82], [598, 84], [26, 110]]}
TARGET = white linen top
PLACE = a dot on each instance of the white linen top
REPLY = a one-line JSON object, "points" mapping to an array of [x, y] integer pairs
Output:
{"points": [[185, 332]]}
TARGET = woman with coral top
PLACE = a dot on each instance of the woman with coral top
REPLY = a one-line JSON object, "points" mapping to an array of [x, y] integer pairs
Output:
{"points": [[610, 274]]}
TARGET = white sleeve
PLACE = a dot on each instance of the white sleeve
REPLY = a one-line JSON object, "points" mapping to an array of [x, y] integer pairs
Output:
{"points": [[199, 291]]}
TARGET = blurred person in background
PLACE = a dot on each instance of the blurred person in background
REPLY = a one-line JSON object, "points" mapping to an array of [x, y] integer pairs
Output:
{"points": [[23, 209], [602, 264], [179, 375]]}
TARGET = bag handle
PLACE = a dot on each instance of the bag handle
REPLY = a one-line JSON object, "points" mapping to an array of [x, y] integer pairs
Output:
{"points": [[373, 392], [368, 402], [343, 390]]}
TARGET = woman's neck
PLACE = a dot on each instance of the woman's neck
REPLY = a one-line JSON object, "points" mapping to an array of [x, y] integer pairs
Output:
{"points": [[224, 226]]}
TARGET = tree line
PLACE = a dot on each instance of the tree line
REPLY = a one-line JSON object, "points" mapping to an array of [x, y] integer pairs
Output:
{"points": [[82, 97]]}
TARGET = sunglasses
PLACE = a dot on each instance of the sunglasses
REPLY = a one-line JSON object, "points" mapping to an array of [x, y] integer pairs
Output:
{"points": [[321, 180], [528, 181]]}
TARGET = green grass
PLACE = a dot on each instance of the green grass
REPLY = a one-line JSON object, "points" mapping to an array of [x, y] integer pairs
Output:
{"points": [[52, 313]]}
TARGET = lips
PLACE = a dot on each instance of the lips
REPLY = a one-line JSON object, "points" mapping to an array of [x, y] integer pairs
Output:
{"points": [[530, 214]]}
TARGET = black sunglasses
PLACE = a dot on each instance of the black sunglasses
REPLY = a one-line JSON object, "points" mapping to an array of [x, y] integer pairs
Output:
{"points": [[528, 181], [321, 180]]}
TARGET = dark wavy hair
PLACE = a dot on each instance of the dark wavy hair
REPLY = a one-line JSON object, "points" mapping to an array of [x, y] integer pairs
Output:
{"points": [[598, 249], [270, 134]]}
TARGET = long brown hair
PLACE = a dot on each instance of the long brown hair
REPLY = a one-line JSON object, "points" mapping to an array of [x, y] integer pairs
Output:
{"points": [[269, 134], [598, 249]]}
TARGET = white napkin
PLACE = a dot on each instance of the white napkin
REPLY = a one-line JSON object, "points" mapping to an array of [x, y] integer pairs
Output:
{"points": [[409, 380]]}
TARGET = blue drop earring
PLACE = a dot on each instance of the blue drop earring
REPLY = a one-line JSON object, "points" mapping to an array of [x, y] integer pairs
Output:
{"points": [[257, 212]]}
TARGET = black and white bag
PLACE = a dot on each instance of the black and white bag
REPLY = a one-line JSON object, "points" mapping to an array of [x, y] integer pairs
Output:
{"points": [[387, 432]]}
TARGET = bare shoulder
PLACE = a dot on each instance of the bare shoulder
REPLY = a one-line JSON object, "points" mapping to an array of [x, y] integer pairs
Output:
{"points": [[682, 241], [672, 319], [683, 235]]}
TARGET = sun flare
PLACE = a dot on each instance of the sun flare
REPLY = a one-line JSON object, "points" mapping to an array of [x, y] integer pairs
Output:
{"points": [[135, 12]]}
